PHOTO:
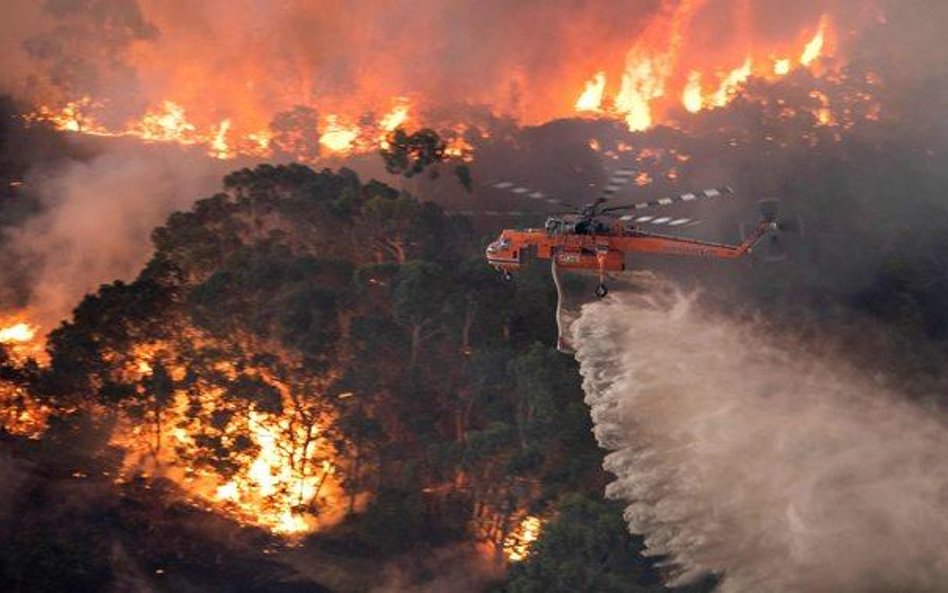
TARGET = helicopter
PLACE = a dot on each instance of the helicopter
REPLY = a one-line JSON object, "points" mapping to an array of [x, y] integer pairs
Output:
{"points": [[598, 237]]}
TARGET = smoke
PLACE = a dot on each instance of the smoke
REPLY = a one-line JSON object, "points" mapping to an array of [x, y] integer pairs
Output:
{"points": [[96, 221], [744, 454], [458, 569]]}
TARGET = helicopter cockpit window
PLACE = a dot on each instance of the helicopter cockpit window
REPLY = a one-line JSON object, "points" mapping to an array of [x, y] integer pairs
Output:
{"points": [[501, 244]]}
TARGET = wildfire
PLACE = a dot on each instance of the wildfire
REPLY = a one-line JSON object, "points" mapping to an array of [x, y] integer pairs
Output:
{"points": [[263, 467], [782, 67], [591, 99], [814, 48], [21, 337], [17, 334], [650, 70], [642, 83], [169, 123], [518, 543], [731, 83], [691, 97], [20, 413], [338, 137]]}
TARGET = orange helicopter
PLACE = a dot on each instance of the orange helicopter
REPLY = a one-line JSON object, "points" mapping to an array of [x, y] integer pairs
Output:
{"points": [[598, 238]]}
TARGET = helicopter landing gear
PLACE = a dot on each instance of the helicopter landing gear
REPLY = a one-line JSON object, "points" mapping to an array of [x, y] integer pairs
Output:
{"points": [[506, 275], [601, 290]]}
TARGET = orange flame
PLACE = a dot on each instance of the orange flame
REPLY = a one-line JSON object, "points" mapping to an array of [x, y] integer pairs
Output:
{"points": [[18, 333], [591, 99], [649, 72], [661, 69], [814, 48], [691, 97], [282, 476], [730, 84], [782, 67], [518, 543]]}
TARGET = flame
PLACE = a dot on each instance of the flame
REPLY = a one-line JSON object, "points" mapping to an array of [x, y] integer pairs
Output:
{"points": [[731, 83], [21, 413], [22, 337], [391, 121], [814, 48], [782, 67], [651, 68], [691, 97], [518, 543], [18, 333], [168, 124], [219, 146], [275, 470], [271, 477], [591, 98], [396, 117], [641, 83], [338, 137]]}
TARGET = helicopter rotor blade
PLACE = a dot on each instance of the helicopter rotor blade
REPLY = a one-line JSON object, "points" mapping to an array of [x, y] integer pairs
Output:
{"points": [[498, 213], [617, 180], [689, 197], [522, 191], [671, 221]]}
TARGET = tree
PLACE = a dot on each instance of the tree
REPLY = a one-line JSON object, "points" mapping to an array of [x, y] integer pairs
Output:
{"points": [[587, 547], [410, 154], [418, 302]]}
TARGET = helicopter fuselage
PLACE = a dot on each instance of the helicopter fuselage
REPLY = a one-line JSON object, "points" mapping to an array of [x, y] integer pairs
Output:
{"points": [[605, 247]]}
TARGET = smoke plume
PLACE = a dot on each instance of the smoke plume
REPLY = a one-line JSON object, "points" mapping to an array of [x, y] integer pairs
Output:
{"points": [[752, 457], [96, 222]]}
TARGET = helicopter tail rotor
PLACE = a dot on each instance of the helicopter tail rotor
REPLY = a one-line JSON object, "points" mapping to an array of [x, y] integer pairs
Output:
{"points": [[781, 229]]}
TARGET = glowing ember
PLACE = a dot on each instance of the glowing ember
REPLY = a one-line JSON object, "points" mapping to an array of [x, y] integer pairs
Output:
{"points": [[518, 542], [20, 413], [824, 113], [591, 99]]}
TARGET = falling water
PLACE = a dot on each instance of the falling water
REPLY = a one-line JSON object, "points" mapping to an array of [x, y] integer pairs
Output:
{"points": [[746, 456]]}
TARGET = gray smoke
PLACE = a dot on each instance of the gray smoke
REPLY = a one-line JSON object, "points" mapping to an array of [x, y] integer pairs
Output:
{"points": [[96, 222], [746, 455]]}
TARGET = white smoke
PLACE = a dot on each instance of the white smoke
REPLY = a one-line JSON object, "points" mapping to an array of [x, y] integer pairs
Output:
{"points": [[96, 221], [746, 456]]}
